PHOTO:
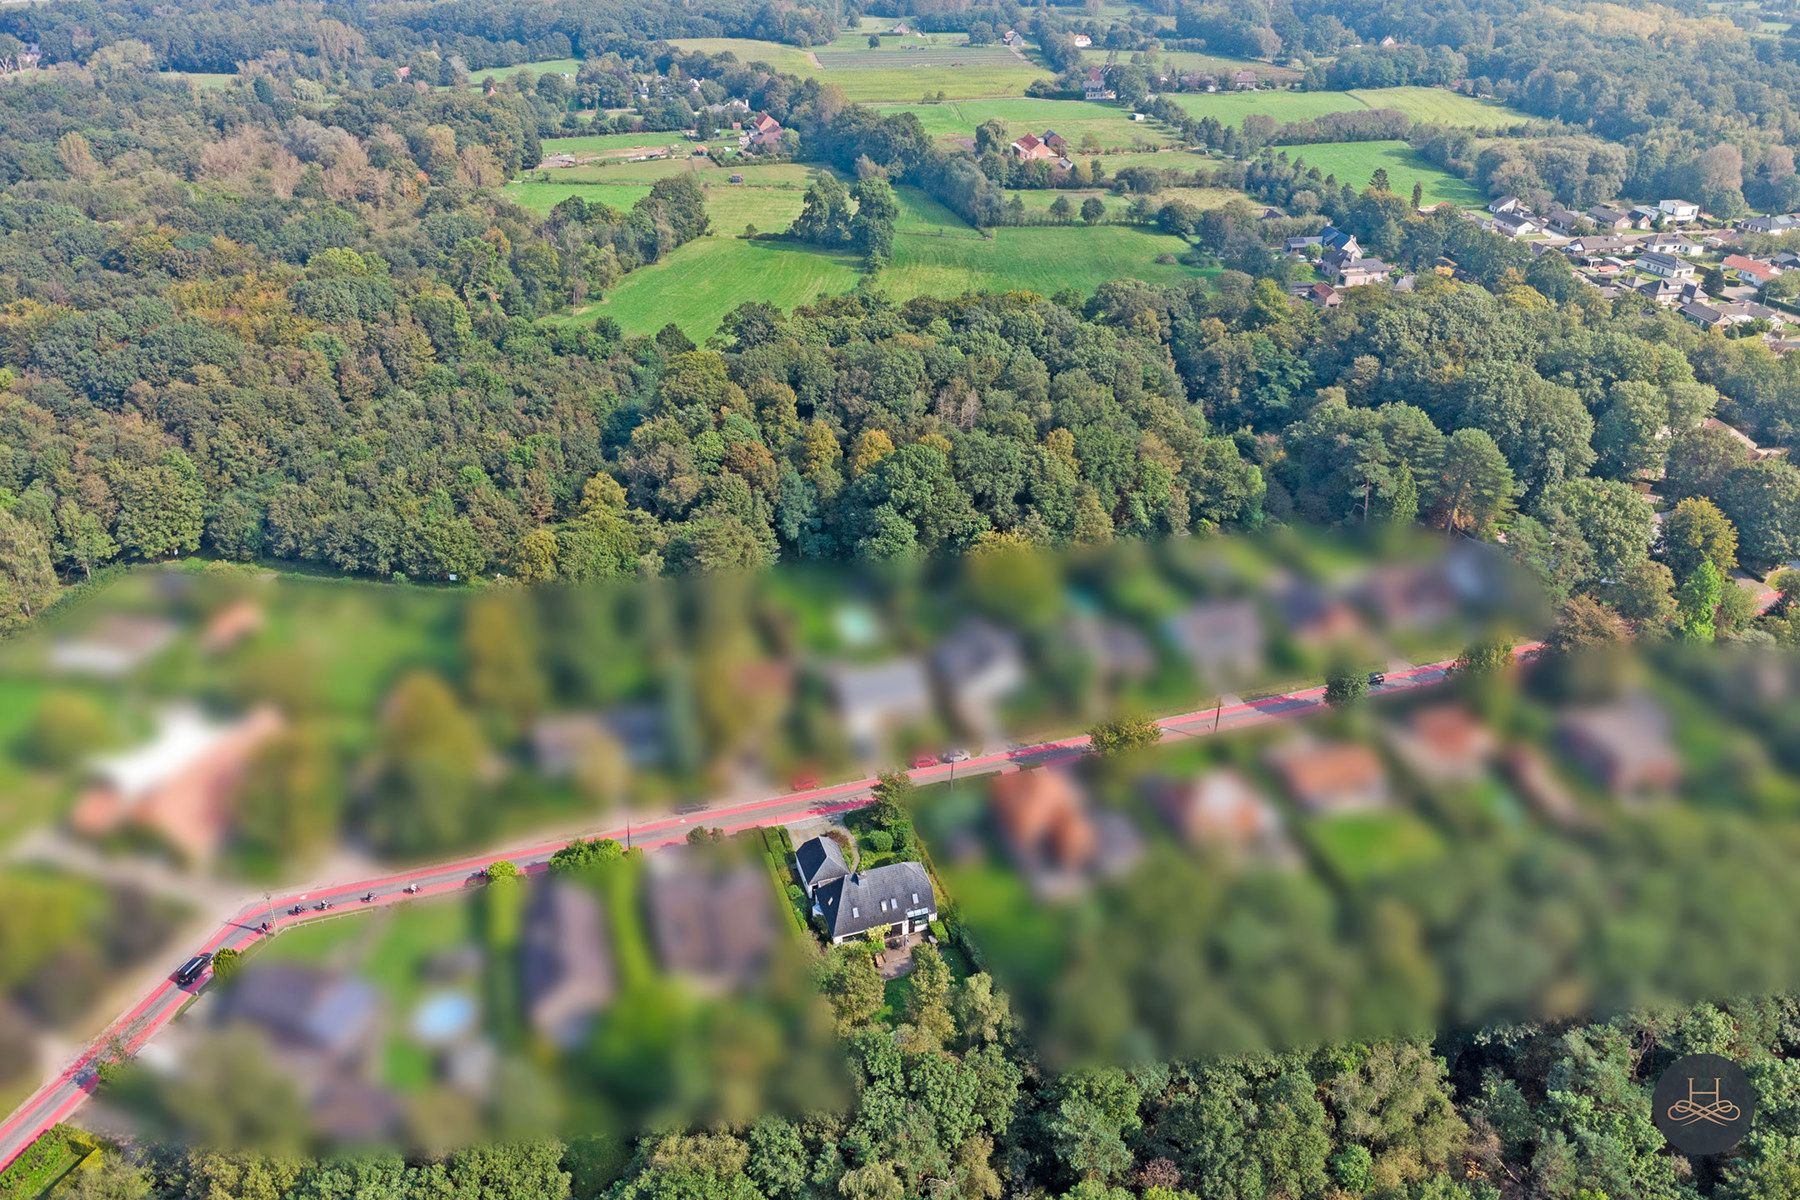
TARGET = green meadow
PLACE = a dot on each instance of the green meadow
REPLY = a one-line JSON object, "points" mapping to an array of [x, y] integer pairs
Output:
{"points": [[1355, 162], [546, 66], [1087, 126], [695, 287], [936, 254], [1040, 199], [900, 69], [1222, 64], [1425, 104]]}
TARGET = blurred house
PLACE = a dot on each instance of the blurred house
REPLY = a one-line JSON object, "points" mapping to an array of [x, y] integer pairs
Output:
{"points": [[874, 700], [317, 1022], [561, 741], [978, 666], [1119, 651], [115, 646], [1331, 777], [230, 626], [1444, 743], [1530, 773], [1050, 831], [565, 961], [1408, 595], [1220, 809], [1222, 638], [710, 920], [1308, 613], [181, 786], [1625, 746], [819, 861], [893, 901], [642, 730]]}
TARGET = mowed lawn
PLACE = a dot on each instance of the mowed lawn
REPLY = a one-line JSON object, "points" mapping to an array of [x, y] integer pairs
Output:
{"points": [[1086, 126], [1355, 163], [901, 69]]}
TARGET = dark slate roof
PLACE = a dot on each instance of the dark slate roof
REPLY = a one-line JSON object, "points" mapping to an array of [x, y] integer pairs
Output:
{"points": [[821, 861], [875, 899]]}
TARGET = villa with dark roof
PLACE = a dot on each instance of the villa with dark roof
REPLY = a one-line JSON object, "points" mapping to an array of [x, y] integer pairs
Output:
{"points": [[892, 901]]}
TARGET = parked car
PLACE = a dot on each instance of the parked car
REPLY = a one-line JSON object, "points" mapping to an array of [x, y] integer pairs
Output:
{"points": [[956, 756]]}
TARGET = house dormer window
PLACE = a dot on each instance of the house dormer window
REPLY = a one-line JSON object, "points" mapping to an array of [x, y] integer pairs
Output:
{"points": [[915, 897], [855, 911]]}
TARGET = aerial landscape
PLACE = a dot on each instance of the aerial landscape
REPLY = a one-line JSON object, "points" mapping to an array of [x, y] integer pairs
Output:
{"points": [[904, 600]]}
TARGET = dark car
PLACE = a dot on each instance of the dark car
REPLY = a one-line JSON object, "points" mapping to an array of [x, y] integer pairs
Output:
{"points": [[192, 969]]}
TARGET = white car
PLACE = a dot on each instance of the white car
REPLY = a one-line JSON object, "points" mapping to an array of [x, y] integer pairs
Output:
{"points": [[956, 756]]}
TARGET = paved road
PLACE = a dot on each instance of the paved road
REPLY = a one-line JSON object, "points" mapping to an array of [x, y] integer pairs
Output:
{"points": [[68, 1090]]}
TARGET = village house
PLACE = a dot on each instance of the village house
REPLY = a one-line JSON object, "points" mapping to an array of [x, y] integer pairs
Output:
{"points": [[1678, 210], [1319, 295], [1012, 40], [1669, 293], [895, 900], [1752, 271], [1757, 453], [1094, 86], [1563, 221], [1605, 216], [1508, 204], [1337, 247], [1082, 41], [1670, 243], [1626, 746], [1330, 777], [1223, 809], [1643, 216], [1303, 247], [1516, 224], [181, 786], [565, 961], [1782, 223], [1031, 146], [1361, 271], [1722, 314], [1244, 81], [1665, 266], [764, 132], [1223, 639]]}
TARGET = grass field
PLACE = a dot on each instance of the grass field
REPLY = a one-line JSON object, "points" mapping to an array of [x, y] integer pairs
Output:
{"points": [[548, 66], [1222, 64], [698, 284], [902, 69], [1040, 199], [935, 254], [1359, 846], [1088, 127], [1435, 105], [770, 196], [1354, 162], [618, 144]]}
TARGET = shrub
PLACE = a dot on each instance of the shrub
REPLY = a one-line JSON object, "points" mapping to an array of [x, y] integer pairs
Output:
{"points": [[878, 841]]}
